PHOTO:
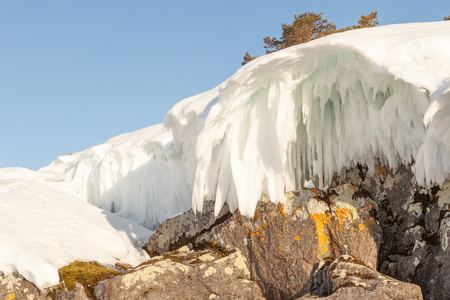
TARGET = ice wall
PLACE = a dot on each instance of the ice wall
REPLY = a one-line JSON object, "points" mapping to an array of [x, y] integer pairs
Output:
{"points": [[309, 111], [294, 116], [136, 175]]}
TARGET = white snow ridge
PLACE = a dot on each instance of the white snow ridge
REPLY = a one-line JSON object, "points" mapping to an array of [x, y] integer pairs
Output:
{"points": [[287, 119]]}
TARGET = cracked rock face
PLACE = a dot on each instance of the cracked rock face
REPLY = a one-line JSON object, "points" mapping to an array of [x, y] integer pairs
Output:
{"points": [[283, 243], [346, 278], [184, 229], [185, 274]]}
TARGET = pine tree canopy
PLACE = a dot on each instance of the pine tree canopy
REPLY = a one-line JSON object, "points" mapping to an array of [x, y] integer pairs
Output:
{"points": [[307, 27]]}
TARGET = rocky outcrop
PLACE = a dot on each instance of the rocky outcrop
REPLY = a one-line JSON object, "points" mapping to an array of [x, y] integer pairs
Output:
{"points": [[347, 278], [185, 274], [283, 243], [415, 231], [384, 221]]}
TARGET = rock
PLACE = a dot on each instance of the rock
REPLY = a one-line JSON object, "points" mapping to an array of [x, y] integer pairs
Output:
{"points": [[415, 228], [185, 274], [78, 281], [346, 278], [15, 286], [184, 229], [283, 243]]}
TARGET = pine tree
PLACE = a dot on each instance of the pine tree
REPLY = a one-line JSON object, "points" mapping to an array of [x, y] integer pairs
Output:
{"points": [[248, 58], [307, 27]]}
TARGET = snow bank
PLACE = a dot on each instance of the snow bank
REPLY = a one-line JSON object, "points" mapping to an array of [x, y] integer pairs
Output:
{"points": [[44, 229]]}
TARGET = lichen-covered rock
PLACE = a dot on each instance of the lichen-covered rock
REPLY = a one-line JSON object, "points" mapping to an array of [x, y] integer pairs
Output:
{"points": [[184, 229], [415, 228], [282, 243], [15, 286], [346, 278], [185, 274]]}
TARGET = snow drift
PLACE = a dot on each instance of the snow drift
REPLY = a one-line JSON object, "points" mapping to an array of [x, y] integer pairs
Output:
{"points": [[293, 117]]}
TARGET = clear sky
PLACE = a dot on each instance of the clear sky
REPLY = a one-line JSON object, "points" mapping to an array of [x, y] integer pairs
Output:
{"points": [[75, 73]]}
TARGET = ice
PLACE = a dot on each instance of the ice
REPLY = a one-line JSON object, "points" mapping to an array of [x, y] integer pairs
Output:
{"points": [[135, 175], [285, 121], [309, 111]]}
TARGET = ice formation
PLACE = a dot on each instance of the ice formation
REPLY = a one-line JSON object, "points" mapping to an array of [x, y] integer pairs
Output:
{"points": [[295, 116], [313, 109], [283, 122]]}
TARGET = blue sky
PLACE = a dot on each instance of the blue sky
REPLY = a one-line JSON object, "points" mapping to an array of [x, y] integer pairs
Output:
{"points": [[75, 73]]}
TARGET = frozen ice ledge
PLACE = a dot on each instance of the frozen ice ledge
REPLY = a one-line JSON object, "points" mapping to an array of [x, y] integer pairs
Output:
{"points": [[286, 119]]}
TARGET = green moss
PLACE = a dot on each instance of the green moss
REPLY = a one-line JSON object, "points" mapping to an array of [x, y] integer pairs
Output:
{"points": [[88, 274]]}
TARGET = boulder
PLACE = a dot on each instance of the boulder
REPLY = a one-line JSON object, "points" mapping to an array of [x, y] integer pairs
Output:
{"points": [[15, 286], [185, 274], [347, 278]]}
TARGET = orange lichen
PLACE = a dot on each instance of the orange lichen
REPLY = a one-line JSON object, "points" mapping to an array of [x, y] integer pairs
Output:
{"points": [[262, 239], [297, 238], [381, 168], [257, 214], [361, 226], [265, 224], [281, 209], [252, 233], [341, 214], [320, 222]]}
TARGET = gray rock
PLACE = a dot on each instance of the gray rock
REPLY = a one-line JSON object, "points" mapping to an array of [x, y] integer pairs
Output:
{"points": [[185, 274], [15, 286], [346, 278], [184, 229]]}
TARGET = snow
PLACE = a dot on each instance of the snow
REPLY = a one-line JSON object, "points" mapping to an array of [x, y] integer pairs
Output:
{"points": [[44, 229], [285, 121]]}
